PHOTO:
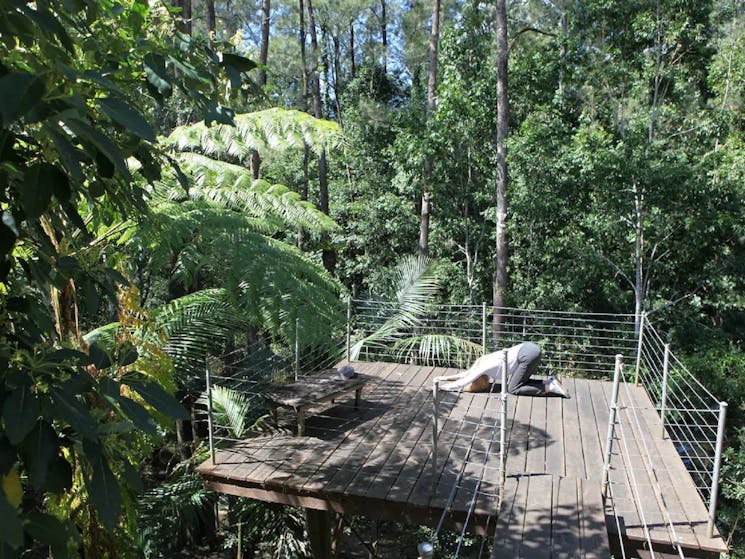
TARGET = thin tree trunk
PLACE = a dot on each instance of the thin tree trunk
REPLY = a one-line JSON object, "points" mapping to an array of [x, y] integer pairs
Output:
{"points": [[211, 17], [266, 7], [434, 40], [384, 35], [329, 254], [500, 274], [563, 53], [303, 56], [639, 287], [306, 151], [351, 48], [337, 74]]}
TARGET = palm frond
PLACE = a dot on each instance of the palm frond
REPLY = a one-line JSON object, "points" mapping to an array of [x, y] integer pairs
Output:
{"points": [[438, 350], [230, 409], [414, 288]]}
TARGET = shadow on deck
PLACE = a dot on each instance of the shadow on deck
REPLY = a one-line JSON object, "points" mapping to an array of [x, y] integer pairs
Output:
{"points": [[376, 461]]}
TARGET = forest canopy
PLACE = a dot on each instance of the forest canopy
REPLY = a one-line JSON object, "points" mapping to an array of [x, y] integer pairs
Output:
{"points": [[181, 179]]}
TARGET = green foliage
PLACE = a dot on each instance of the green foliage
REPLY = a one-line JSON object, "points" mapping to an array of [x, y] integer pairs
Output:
{"points": [[174, 513], [76, 153]]}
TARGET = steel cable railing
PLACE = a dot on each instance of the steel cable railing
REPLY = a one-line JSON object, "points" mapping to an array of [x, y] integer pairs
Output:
{"points": [[573, 343]]}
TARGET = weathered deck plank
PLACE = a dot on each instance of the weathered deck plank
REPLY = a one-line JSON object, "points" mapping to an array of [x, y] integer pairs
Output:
{"points": [[377, 461]]}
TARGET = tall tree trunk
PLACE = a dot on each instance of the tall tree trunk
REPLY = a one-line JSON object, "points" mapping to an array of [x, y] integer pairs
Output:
{"points": [[563, 53], [211, 17], [304, 104], [329, 254], [351, 48], [434, 40], [639, 280], [384, 35], [500, 274], [337, 74], [266, 7]]}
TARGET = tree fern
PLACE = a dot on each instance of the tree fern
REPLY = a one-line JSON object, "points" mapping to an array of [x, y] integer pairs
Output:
{"points": [[269, 131]]}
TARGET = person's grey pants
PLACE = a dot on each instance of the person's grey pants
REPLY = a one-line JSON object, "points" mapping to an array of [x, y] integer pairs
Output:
{"points": [[528, 359]]}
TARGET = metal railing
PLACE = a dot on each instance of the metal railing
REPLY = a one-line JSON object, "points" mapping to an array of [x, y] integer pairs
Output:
{"points": [[576, 344], [691, 416]]}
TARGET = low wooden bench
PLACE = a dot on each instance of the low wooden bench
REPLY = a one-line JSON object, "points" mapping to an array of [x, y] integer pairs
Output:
{"points": [[312, 391]]}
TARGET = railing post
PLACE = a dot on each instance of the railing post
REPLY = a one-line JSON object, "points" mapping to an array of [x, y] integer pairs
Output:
{"points": [[209, 411], [349, 328], [503, 429], [713, 496], [665, 372], [639, 347], [611, 423], [435, 410], [483, 328], [297, 348]]}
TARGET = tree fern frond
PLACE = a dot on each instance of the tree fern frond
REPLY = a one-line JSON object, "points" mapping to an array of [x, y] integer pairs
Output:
{"points": [[232, 187], [274, 130]]}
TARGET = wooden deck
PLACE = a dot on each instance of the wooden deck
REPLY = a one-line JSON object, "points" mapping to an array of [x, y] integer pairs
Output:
{"points": [[376, 461]]}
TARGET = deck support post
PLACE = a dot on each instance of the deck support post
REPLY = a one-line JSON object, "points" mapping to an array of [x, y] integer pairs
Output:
{"points": [[611, 423], [297, 348], [208, 380], [665, 373], [321, 533], [642, 320], [483, 328], [503, 429], [349, 328], [714, 493], [435, 409]]}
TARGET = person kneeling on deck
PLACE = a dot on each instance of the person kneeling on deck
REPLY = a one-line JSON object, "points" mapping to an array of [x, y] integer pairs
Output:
{"points": [[522, 362]]}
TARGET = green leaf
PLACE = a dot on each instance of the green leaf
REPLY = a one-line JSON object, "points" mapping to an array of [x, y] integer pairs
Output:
{"points": [[127, 354], [37, 190], [102, 143], [59, 476], [7, 552], [20, 412], [39, 451], [154, 395], [139, 415], [99, 356], [8, 233], [72, 410], [238, 62], [69, 157], [19, 92], [7, 456], [133, 478], [125, 114], [155, 72], [48, 530], [12, 527], [234, 66], [102, 486]]}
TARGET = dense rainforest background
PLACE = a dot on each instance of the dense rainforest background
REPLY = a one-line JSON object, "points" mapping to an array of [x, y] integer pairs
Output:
{"points": [[181, 178]]}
